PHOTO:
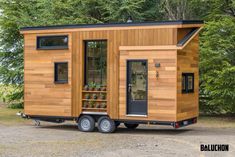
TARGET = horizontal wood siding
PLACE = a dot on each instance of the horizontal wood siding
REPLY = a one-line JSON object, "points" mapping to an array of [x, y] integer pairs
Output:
{"points": [[187, 62], [41, 95], [161, 90]]}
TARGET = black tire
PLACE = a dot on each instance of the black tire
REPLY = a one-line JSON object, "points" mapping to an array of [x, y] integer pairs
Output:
{"points": [[131, 126], [86, 123], [106, 125]]}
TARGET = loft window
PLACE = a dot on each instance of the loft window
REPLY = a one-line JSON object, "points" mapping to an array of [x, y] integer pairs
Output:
{"points": [[96, 62], [52, 42], [61, 72], [187, 82]]}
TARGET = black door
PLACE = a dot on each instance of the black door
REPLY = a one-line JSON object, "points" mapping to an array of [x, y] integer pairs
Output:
{"points": [[137, 82]]}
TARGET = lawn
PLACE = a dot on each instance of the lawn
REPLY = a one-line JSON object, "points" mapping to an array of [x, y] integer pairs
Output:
{"points": [[8, 116], [217, 121]]}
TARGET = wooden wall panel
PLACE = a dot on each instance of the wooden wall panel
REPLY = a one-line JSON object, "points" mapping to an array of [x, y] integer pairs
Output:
{"points": [[161, 90], [187, 61], [41, 95], [115, 38]]}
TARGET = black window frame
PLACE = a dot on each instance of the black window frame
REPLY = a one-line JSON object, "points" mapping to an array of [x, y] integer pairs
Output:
{"points": [[85, 56], [186, 76], [52, 47], [56, 81]]}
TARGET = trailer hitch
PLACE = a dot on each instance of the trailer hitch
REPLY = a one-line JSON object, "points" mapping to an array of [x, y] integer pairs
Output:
{"points": [[22, 115]]}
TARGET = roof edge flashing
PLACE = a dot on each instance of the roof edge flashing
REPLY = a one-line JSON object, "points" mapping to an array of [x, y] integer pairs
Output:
{"points": [[100, 25]]}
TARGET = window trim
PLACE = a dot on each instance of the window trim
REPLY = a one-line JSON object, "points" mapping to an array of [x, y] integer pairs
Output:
{"points": [[52, 47], [186, 75], [85, 56], [56, 81]]}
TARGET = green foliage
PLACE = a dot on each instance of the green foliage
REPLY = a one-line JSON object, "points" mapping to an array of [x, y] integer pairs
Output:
{"points": [[217, 66], [12, 95]]}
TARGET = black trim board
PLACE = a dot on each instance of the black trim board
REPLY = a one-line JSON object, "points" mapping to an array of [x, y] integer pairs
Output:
{"points": [[187, 37], [113, 25]]}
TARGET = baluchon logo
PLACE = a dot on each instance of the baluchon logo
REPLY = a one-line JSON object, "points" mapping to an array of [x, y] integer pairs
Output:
{"points": [[214, 147]]}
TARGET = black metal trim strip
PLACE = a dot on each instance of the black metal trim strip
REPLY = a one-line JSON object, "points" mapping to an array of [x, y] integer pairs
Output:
{"points": [[113, 25], [187, 37], [40, 117]]}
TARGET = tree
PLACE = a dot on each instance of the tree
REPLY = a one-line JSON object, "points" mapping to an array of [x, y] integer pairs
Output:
{"points": [[184, 9], [217, 66], [20, 13]]}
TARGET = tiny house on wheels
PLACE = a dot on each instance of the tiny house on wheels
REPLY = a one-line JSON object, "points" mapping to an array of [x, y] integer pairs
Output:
{"points": [[108, 74]]}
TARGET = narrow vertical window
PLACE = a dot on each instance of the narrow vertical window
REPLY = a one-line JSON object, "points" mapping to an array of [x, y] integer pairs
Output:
{"points": [[183, 83], [61, 72], [187, 82], [96, 62]]}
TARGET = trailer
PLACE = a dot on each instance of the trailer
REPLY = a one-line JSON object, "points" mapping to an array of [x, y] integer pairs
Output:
{"points": [[112, 73]]}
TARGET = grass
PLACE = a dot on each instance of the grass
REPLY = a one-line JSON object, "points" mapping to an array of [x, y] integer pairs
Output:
{"points": [[217, 121], [8, 116]]}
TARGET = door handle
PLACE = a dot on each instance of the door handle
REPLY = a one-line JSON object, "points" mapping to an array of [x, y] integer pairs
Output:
{"points": [[129, 87]]}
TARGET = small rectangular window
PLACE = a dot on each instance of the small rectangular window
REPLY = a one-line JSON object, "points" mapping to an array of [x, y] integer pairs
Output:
{"points": [[61, 72], [52, 42], [187, 82]]}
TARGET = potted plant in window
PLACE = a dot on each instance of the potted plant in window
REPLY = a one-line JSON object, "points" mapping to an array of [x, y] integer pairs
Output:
{"points": [[103, 105], [87, 96], [102, 96], [85, 104], [97, 105], [86, 88], [91, 86], [103, 88], [94, 96], [91, 104], [98, 87]]}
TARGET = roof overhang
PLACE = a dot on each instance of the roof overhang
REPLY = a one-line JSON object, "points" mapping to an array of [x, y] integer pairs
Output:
{"points": [[179, 46], [112, 26]]}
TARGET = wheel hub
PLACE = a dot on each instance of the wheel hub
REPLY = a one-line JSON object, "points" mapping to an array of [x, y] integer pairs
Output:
{"points": [[105, 125], [85, 124]]}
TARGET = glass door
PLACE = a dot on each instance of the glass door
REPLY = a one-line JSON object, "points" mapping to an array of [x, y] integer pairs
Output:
{"points": [[137, 83]]}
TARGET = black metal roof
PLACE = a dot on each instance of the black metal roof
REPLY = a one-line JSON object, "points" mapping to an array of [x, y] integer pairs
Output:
{"points": [[114, 25]]}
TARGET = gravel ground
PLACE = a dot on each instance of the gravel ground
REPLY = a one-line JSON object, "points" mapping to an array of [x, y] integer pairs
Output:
{"points": [[65, 140]]}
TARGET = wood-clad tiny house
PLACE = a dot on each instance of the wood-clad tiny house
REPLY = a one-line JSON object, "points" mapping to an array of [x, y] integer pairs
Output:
{"points": [[112, 73]]}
